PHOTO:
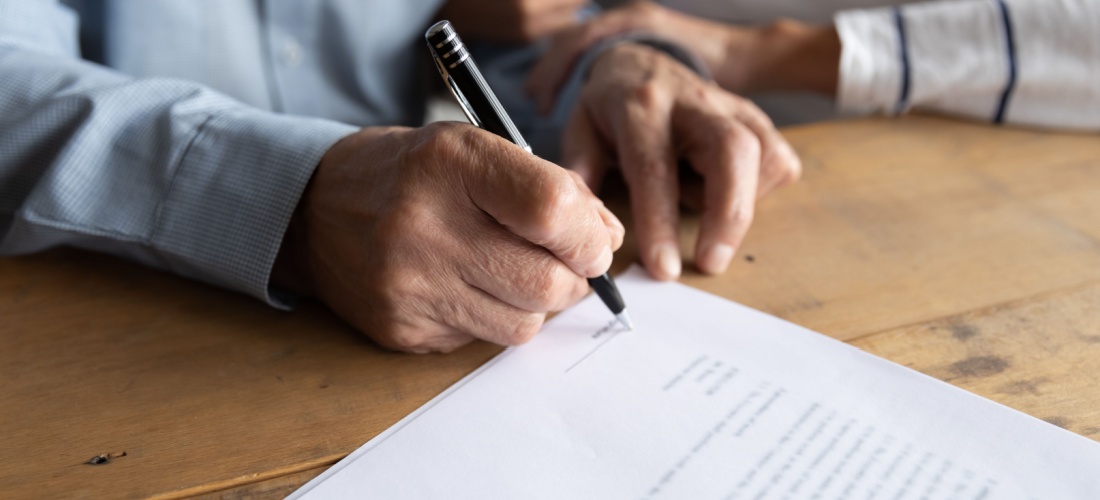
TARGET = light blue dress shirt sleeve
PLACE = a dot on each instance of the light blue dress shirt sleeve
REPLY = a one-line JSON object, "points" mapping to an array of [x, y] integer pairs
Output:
{"points": [[161, 171], [188, 148]]}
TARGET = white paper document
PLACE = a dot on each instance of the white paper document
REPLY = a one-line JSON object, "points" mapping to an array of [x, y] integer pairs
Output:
{"points": [[707, 399]]}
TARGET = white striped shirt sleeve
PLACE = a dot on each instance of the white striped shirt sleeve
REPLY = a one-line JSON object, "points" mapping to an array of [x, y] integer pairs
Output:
{"points": [[1027, 62]]}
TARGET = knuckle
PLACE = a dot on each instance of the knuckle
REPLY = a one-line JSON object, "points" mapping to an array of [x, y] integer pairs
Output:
{"points": [[386, 280], [790, 167], [450, 345], [396, 310], [556, 195], [744, 141], [705, 95], [525, 329], [439, 140], [647, 94], [794, 173], [545, 286], [550, 286], [580, 290], [405, 338], [541, 282], [781, 165], [723, 131], [564, 287], [740, 217], [407, 217]]}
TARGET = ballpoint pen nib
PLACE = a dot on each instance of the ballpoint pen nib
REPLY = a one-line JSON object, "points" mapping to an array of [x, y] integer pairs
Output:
{"points": [[624, 318]]}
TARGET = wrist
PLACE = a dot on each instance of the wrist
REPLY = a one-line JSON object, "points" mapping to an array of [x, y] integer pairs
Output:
{"points": [[291, 269], [789, 55]]}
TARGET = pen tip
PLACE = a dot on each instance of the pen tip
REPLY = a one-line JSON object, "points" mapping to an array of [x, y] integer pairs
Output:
{"points": [[624, 318]]}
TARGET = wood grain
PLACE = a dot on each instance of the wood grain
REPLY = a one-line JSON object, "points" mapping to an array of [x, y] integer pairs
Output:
{"points": [[278, 487], [203, 389], [900, 222], [1037, 355], [969, 252]]}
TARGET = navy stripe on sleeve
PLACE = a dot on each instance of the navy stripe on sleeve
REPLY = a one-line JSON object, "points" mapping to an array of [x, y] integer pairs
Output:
{"points": [[1010, 46], [903, 44]]}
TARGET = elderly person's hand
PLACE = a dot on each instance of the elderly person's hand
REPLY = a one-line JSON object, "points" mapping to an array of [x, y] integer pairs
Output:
{"points": [[785, 55], [645, 111], [513, 21], [427, 238]]}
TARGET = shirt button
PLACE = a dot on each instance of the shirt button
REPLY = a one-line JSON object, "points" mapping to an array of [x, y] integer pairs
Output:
{"points": [[292, 53]]}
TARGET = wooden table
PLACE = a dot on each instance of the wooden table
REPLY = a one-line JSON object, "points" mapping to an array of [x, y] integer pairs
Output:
{"points": [[968, 252]]}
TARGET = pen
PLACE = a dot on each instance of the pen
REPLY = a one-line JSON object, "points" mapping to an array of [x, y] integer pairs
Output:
{"points": [[482, 108]]}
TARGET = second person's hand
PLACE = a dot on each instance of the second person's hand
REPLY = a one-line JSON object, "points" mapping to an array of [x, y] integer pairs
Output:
{"points": [[510, 21], [645, 111], [782, 55]]}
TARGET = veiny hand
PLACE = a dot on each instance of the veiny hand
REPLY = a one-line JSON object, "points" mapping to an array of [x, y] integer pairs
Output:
{"points": [[647, 111], [785, 55], [513, 21], [425, 239]]}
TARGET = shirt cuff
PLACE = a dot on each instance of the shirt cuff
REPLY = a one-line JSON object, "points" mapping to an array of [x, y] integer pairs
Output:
{"points": [[870, 61], [946, 56], [232, 197]]}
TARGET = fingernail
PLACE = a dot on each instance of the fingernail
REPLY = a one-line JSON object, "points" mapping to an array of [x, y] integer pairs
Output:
{"points": [[716, 259], [668, 261], [602, 264]]}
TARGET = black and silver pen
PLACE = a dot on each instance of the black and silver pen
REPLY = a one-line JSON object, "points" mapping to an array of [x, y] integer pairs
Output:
{"points": [[482, 108]]}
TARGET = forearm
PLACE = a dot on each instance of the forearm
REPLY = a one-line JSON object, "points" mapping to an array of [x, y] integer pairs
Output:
{"points": [[163, 172], [784, 56]]}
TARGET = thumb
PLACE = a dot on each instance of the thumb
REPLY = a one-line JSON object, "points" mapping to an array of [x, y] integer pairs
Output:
{"points": [[536, 200]]}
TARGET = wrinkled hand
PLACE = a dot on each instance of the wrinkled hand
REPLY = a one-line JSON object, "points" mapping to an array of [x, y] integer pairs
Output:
{"points": [[647, 111], [514, 21], [425, 239], [784, 55]]}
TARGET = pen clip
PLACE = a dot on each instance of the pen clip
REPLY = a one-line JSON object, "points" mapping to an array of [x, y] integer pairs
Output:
{"points": [[455, 91]]}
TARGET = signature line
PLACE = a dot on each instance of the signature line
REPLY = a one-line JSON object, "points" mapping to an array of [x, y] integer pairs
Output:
{"points": [[614, 334]]}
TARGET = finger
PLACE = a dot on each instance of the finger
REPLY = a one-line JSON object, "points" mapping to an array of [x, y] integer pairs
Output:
{"points": [[421, 338], [485, 317], [517, 272], [614, 226], [779, 164], [536, 200], [648, 162], [727, 154], [583, 149]]}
